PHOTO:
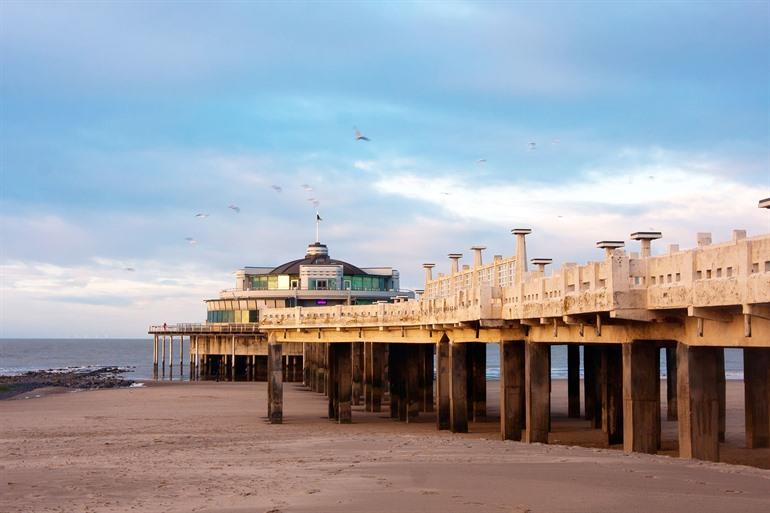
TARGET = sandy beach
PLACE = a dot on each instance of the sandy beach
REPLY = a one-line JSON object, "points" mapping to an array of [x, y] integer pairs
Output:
{"points": [[206, 447]]}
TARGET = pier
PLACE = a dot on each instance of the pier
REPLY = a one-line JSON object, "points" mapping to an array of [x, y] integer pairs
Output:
{"points": [[427, 355]]}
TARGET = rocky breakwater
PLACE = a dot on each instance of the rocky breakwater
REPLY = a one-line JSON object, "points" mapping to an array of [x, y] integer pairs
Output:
{"points": [[80, 378]]}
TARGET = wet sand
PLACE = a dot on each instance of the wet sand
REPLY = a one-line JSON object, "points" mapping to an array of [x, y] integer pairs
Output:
{"points": [[206, 447]]}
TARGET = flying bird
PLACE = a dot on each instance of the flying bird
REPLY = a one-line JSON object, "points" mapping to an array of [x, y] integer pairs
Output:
{"points": [[316, 203], [190, 240], [307, 187], [481, 161], [235, 208], [446, 193], [277, 188], [532, 146], [129, 269], [201, 215], [359, 135], [555, 141]]}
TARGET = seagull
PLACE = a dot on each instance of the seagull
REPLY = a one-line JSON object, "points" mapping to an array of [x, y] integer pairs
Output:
{"points": [[532, 145], [277, 188], [651, 177], [555, 141], [190, 240], [446, 193], [307, 187], [481, 161], [201, 215], [129, 269], [312, 200], [316, 203], [235, 208], [360, 136]]}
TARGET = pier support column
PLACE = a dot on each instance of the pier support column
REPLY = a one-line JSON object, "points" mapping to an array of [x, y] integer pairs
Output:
{"points": [[377, 364], [427, 375], [340, 381], [698, 401], [413, 363], [443, 370], [671, 408], [274, 382], [591, 389], [458, 384], [357, 361], [395, 380], [641, 397], [477, 380], [170, 353], [756, 381], [367, 376], [721, 393], [155, 350], [512, 389], [611, 382], [537, 389], [573, 381]]}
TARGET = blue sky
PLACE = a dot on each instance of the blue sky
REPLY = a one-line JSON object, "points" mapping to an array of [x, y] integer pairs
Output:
{"points": [[120, 121]]}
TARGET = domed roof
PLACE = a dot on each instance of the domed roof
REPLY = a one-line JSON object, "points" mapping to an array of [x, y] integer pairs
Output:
{"points": [[317, 254]]}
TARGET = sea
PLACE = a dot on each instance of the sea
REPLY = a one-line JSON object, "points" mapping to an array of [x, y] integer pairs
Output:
{"points": [[19, 355]]}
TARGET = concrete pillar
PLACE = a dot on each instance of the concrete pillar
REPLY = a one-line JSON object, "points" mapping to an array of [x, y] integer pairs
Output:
{"points": [[454, 265], [641, 397], [274, 382], [477, 380], [592, 390], [512, 388], [671, 408], [573, 381], [155, 350], [427, 374], [181, 351], [428, 273], [367, 377], [413, 363], [341, 368], [395, 380], [357, 362], [537, 390], [611, 382], [521, 252], [332, 384], [698, 402], [756, 362], [377, 365], [443, 370], [477, 255], [171, 352], [458, 382], [721, 393]]}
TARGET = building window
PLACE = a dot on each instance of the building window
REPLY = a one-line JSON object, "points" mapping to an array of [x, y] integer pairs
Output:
{"points": [[321, 285]]}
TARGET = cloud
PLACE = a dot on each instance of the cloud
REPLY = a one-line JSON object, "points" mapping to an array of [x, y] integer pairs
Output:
{"points": [[671, 194]]}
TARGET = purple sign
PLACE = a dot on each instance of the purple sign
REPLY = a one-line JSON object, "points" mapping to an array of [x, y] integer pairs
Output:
{"points": [[320, 301]]}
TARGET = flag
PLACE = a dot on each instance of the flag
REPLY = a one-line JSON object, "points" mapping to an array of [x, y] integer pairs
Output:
{"points": [[318, 217]]}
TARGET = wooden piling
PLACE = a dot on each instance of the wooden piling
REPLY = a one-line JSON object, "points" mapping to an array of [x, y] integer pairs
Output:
{"points": [[377, 363]]}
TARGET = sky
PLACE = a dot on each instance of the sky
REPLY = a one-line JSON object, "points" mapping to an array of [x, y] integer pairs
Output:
{"points": [[119, 121]]}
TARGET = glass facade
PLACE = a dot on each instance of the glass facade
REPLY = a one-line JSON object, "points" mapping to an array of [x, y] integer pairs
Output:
{"points": [[366, 282], [269, 282], [232, 316]]}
